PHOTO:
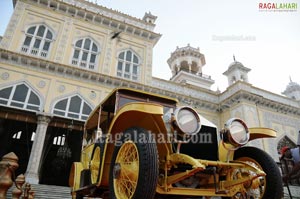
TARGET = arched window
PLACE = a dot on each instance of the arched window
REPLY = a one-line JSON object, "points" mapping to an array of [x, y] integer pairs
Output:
{"points": [[233, 79], [242, 78], [59, 140], [85, 53], [285, 141], [17, 135], [32, 136], [128, 65], [21, 96], [37, 41], [72, 107]]}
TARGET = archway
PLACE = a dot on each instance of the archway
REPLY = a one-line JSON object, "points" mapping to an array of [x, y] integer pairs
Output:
{"points": [[62, 148]]}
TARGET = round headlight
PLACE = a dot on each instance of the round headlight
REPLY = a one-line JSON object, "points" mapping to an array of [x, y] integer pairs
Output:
{"points": [[236, 132], [187, 120]]}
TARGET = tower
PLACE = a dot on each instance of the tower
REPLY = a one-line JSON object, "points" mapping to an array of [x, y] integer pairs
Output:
{"points": [[292, 90], [186, 64], [149, 18], [236, 72]]}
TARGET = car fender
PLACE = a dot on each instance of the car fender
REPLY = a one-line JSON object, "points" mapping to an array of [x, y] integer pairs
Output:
{"points": [[138, 114], [144, 115], [259, 132]]}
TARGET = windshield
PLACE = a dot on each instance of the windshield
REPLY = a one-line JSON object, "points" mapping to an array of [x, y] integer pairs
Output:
{"points": [[123, 100]]}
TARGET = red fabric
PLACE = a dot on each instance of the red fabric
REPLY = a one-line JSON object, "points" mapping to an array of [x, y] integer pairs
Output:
{"points": [[284, 149]]}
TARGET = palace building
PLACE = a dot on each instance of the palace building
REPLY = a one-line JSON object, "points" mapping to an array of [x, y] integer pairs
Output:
{"points": [[60, 58]]}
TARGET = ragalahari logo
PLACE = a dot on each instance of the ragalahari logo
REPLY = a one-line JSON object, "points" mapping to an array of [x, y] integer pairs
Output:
{"points": [[277, 7]]}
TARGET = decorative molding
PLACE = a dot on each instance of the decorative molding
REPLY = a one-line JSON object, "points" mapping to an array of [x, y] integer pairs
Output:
{"points": [[81, 75], [111, 14], [242, 91], [270, 117], [191, 91], [108, 57], [11, 28], [63, 41], [188, 95], [96, 14], [43, 118], [5, 76], [61, 88], [93, 95], [41, 84]]}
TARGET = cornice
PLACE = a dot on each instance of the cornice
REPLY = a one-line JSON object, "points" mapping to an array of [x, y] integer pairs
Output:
{"points": [[132, 26], [197, 77], [185, 52], [189, 90], [214, 102], [244, 95], [236, 66], [94, 7], [81, 75]]}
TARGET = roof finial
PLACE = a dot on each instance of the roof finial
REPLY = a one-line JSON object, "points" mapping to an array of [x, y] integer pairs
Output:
{"points": [[291, 79], [233, 57]]}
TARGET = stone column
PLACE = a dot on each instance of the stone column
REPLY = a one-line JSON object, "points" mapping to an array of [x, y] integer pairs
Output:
{"points": [[34, 164]]}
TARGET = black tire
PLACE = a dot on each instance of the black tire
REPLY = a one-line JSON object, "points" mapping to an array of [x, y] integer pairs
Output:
{"points": [[147, 164], [273, 185]]}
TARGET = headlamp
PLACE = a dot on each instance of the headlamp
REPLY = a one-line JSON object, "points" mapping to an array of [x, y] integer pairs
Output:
{"points": [[235, 133], [186, 121]]}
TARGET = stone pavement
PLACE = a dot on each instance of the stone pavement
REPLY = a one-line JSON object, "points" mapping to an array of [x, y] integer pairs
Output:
{"points": [[295, 191]]}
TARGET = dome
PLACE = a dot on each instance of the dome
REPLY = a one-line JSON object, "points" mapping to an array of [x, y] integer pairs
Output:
{"points": [[236, 63], [236, 66], [187, 59], [291, 87], [186, 53]]}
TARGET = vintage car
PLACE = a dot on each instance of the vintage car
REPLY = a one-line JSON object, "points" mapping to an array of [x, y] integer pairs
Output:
{"points": [[138, 145]]}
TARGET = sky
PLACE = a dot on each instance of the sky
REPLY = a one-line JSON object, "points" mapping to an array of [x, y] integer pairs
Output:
{"points": [[266, 42]]}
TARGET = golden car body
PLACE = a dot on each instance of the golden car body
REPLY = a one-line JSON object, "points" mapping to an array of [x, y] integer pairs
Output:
{"points": [[141, 145]]}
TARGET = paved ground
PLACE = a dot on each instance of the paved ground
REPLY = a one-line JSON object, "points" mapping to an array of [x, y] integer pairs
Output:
{"points": [[295, 192]]}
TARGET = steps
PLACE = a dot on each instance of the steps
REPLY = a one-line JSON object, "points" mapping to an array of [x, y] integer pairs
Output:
{"points": [[47, 192]]}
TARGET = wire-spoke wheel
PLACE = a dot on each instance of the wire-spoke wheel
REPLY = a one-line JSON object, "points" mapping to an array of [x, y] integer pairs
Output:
{"points": [[265, 187], [95, 165], [134, 168], [126, 170]]}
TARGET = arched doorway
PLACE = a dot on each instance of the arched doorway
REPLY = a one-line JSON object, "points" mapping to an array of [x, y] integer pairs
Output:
{"points": [[62, 148], [285, 141], [17, 136]]}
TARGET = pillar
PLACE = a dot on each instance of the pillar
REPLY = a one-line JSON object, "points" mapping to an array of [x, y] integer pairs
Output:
{"points": [[190, 67], [35, 159]]}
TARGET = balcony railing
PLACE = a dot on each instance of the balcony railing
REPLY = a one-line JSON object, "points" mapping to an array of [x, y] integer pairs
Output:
{"points": [[34, 51], [195, 73]]}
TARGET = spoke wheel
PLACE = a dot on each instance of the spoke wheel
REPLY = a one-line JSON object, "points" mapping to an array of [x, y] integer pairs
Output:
{"points": [[95, 164], [126, 170], [258, 190], [134, 167], [266, 187]]}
